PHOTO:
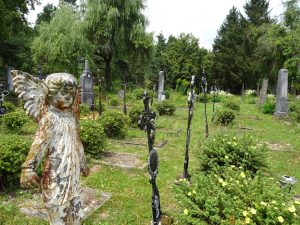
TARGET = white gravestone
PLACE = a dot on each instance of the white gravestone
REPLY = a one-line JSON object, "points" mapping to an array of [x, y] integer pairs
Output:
{"points": [[161, 81], [263, 92]]}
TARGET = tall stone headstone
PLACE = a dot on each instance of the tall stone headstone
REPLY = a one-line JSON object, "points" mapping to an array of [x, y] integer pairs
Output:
{"points": [[282, 94], [263, 92], [86, 83], [9, 79], [161, 82]]}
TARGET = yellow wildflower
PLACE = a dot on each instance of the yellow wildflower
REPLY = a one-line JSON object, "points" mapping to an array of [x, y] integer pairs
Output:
{"points": [[224, 184], [292, 209], [245, 213], [221, 180], [194, 191], [190, 193], [247, 220], [226, 157], [263, 203], [186, 211], [297, 202], [253, 211], [243, 175], [295, 215], [280, 219]]}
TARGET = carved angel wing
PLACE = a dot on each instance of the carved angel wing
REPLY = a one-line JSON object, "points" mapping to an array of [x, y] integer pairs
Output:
{"points": [[33, 91]]}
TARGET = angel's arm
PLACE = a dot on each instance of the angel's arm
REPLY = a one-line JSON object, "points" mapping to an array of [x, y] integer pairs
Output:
{"points": [[38, 147], [33, 91]]}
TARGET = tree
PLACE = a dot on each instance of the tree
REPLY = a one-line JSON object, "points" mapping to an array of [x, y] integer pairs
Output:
{"points": [[183, 58], [46, 15], [229, 54], [291, 14], [61, 43], [114, 27], [257, 12], [13, 23]]}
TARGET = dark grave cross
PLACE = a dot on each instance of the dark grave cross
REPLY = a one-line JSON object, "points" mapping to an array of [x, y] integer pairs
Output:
{"points": [[153, 171], [191, 98], [213, 89], [147, 122], [40, 73], [3, 92], [100, 91], [204, 88]]}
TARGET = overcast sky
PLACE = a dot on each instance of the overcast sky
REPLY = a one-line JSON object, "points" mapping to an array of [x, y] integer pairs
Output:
{"points": [[202, 18]]}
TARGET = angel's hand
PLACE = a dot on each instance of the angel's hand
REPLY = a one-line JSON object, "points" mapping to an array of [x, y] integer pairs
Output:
{"points": [[29, 179], [86, 171]]}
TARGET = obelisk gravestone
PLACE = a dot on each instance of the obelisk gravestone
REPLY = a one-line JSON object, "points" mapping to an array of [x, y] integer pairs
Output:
{"points": [[86, 83], [282, 94]]}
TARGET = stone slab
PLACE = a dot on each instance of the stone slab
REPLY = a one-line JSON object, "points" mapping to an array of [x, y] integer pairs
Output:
{"points": [[92, 200], [122, 160]]}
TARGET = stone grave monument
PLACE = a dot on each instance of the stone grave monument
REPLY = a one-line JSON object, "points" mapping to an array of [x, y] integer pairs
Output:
{"points": [[86, 83], [263, 92], [282, 94], [161, 81], [9, 79]]}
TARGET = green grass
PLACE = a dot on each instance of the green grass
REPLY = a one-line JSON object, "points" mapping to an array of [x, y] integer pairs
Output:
{"points": [[131, 190]]}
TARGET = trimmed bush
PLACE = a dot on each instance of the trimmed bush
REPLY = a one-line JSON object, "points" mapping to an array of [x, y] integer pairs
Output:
{"points": [[13, 152], [225, 151], [232, 105], [165, 108], [134, 114], [224, 117], [235, 197], [114, 102], [115, 124], [268, 107], [14, 121], [93, 138]]}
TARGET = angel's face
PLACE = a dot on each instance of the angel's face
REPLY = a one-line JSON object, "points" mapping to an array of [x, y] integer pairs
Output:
{"points": [[63, 96]]}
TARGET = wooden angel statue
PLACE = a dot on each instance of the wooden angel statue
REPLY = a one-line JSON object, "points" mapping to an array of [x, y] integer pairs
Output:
{"points": [[54, 104]]}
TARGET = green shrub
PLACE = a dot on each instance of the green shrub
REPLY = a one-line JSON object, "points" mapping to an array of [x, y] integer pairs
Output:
{"points": [[14, 121], [84, 109], [225, 151], [167, 93], [268, 107], [224, 117], [115, 124], [201, 98], [138, 93], [234, 197], [251, 100], [165, 108], [93, 137], [134, 114], [182, 85], [13, 152], [114, 102], [232, 105], [10, 107]]}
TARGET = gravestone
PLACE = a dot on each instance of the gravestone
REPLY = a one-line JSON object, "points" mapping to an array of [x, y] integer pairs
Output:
{"points": [[161, 81], [121, 95], [263, 92], [9, 79], [282, 94], [86, 83]]}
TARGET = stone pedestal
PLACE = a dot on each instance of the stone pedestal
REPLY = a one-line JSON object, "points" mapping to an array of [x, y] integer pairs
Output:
{"points": [[282, 94], [263, 92], [92, 200]]}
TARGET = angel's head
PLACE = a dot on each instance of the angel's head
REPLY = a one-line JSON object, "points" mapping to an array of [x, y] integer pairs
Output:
{"points": [[62, 90]]}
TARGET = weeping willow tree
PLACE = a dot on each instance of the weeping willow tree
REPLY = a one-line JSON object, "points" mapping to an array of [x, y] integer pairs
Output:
{"points": [[117, 30], [62, 42]]}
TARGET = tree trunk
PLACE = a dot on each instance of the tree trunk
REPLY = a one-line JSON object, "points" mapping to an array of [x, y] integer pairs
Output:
{"points": [[108, 74]]}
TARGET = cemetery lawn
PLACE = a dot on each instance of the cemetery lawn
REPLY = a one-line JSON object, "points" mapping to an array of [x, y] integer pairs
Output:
{"points": [[131, 191]]}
